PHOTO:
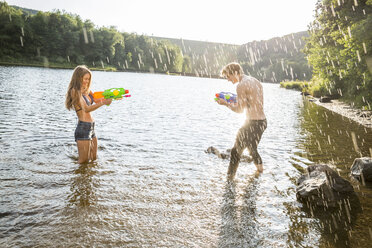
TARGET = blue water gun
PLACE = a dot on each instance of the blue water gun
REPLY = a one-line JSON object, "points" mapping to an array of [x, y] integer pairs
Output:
{"points": [[228, 96]]}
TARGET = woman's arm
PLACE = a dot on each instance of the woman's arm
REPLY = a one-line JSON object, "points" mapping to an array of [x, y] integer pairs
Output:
{"points": [[94, 99], [93, 107]]}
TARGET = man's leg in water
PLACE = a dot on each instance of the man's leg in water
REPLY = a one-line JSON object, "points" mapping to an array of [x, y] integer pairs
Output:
{"points": [[254, 136], [236, 153], [256, 156]]}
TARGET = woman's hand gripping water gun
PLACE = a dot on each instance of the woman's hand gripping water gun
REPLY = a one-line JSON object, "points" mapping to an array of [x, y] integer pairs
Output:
{"points": [[113, 93], [226, 97]]}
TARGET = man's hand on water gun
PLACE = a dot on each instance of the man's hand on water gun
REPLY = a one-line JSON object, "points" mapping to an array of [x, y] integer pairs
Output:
{"points": [[225, 98], [221, 101]]}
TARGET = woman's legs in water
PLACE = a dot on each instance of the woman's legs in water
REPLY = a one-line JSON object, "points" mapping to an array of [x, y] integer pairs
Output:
{"points": [[94, 148], [84, 149], [86, 141]]}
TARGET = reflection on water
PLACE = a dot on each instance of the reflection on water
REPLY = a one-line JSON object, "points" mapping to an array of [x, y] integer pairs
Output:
{"points": [[238, 227], [153, 185], [83, 186], [328, 138]]}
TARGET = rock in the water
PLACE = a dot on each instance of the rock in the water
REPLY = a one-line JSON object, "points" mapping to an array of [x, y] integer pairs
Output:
{"points": [[213, 150], [332, 200], [323, 187], [362, 169], [227, 154], [325, 99], [305, 93]]}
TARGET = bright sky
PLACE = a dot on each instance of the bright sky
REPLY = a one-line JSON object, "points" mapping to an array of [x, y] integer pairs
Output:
{"points": [[228, 21]]}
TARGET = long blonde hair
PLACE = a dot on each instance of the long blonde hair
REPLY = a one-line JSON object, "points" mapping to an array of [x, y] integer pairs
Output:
{"points": [[74, 88]]}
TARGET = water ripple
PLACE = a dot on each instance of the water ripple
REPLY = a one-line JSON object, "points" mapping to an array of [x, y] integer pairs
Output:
{"points": [[152, 185]]}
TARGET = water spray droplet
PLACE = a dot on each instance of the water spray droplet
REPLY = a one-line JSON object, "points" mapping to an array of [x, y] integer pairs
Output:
{"points": [[85, 36], [355, 143]]}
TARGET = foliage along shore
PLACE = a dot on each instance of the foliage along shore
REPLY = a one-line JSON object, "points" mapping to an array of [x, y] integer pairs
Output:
{"points": [[339, 50], [28, 36], [107, 68]]}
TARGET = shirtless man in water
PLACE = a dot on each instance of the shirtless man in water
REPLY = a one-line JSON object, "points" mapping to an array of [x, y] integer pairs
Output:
{"points": [[250, 98]]}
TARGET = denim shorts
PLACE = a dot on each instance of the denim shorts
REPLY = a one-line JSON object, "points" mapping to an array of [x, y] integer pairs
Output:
{"points": [[84, 131]]}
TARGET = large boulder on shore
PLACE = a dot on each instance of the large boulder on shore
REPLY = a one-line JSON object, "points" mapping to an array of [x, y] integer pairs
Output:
{"points": [[322, 187], [362, 169], [330, 199]]}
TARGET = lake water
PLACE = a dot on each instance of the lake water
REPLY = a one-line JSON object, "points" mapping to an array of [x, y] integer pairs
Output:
{"points": [[153, 185]]}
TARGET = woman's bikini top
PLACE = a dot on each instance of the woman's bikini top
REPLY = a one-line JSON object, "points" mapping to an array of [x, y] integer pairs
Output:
{"points": [[88, 101]]}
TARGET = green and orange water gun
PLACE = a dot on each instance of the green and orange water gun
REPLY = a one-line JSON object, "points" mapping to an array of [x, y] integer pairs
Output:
{"points": [[113, 93]]}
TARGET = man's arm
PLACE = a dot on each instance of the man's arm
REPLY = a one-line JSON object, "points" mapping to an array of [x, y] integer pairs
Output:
{"points": [[241, 101], [237, 107]]}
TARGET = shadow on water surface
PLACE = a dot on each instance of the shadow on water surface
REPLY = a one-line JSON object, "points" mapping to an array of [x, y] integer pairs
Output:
{"points": [[239, 228]]}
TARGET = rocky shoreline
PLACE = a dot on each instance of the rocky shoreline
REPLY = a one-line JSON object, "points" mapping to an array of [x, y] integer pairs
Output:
{"points": [[363, 117]]}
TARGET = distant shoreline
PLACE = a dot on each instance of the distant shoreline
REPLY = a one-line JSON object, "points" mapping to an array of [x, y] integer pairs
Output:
{"points": [[111, 69]]}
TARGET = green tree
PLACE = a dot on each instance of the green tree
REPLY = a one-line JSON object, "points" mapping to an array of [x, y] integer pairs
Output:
{"points": [[337, 49], [11, 37], [186, 65]]}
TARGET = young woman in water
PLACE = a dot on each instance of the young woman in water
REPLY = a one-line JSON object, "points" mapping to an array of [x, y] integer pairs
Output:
{"points": [[80, 98]]}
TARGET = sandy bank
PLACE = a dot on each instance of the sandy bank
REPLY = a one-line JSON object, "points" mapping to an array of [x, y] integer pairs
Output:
{"points": [[363, 117]]}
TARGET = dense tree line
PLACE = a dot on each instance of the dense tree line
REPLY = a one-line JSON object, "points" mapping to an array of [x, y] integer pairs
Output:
{"points": [[339, 50], [64, 39], [29, 36]]}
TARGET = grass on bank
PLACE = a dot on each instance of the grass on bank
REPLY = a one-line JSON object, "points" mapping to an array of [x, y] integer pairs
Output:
{"points": [[309, 87], [295, 85], [317, 88]]}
